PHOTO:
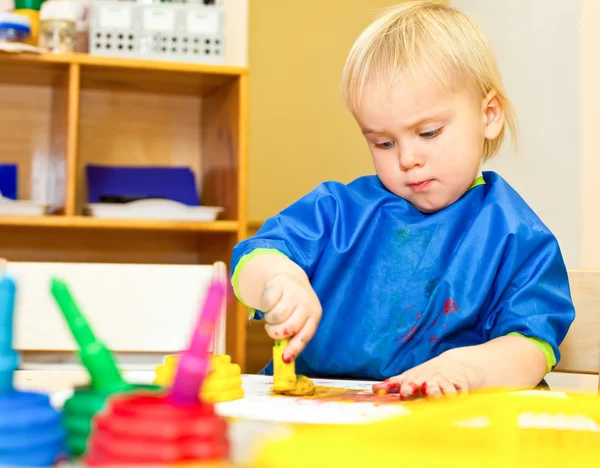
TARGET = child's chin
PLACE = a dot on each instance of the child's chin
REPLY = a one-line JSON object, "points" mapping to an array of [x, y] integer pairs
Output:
{"points": [[428, 206]]}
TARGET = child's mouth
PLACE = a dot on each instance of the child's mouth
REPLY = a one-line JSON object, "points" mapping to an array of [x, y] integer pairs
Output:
{"points": [[420, 186]]}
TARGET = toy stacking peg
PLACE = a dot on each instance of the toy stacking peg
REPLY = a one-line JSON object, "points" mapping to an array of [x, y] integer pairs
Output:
{"points": [[8, 356], [224, 380], [217, 345], [94, 355], [31, 432], [105, 378], [194, 362], [170, 428]]}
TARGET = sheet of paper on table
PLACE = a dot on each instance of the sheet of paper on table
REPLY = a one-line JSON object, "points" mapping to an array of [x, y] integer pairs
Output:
{"points": [[260, 404]]}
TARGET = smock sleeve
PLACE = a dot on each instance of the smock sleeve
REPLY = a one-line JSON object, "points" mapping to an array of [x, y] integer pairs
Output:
{"points": [[300, 232], [533, 294]]}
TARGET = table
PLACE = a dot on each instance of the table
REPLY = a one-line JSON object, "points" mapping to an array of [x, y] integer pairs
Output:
{"points": [[259, 415]]}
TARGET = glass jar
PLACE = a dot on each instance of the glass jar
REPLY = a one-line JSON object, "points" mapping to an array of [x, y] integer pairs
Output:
{"points": [[58, 27]]}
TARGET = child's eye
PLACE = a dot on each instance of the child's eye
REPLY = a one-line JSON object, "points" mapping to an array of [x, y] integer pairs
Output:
{"points": [[385, 145], [431, 134]]}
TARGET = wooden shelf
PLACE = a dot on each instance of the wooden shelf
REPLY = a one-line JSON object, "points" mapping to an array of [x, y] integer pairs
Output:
{"points": [[119, 74], [86, 222], [93, 60], [61, 113]]}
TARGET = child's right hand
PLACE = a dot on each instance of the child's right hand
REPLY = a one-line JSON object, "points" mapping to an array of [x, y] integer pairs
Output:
{"points": [[291, 308]]}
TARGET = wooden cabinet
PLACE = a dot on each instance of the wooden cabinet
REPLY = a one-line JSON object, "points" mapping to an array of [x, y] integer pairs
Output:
{"points": [[61, 112]]}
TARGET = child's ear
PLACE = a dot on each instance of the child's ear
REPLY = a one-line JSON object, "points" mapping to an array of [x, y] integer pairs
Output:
{"points": [[493, 116]]}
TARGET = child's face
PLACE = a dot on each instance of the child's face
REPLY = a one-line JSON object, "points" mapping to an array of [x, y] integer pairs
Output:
{"points": [[427, 143]]}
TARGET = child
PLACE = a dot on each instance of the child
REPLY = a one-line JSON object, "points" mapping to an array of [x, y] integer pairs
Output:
{"points": [[431, 275]]}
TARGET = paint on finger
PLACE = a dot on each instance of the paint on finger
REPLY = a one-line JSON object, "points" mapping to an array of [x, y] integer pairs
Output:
{"points": [[382, 386], [424, 389], [389, 387], [409, 391], [288, 357]]}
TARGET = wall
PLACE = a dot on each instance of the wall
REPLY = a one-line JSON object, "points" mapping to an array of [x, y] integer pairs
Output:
{"points": [[590, 118], [236, 32], [538, 48], [300, 132]]}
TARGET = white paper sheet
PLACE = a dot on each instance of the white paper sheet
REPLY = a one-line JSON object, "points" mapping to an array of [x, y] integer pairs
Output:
{"points": [[259, 404]]}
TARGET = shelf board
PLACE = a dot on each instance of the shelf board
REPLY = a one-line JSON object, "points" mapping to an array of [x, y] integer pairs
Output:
{"points": [[86, 222], [17, 70], [118, 73]]}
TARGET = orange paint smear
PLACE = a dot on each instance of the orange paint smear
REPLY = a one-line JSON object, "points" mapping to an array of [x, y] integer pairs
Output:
{"points": [[346, 395]]}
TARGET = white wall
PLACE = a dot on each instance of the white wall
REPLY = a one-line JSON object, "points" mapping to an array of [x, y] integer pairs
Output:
{"points": [[537, 43], [590, 120]]}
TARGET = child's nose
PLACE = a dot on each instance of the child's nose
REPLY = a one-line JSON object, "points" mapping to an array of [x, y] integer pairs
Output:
{"points": [[410, 157]]}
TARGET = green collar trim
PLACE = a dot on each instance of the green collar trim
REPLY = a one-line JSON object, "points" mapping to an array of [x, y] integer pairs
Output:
{"points": [[479, 181]]}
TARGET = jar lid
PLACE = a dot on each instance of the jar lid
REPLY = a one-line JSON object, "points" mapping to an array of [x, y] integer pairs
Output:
{"points": [[28, 4], [58, 10], [14, 21]]}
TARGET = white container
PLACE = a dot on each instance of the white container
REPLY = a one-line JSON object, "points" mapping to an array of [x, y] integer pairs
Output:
{"points": [[9, 207], [58, 26]]}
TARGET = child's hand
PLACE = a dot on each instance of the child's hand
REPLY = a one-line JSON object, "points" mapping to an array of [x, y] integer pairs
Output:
{"points": [[441, 376], [291, 308]]}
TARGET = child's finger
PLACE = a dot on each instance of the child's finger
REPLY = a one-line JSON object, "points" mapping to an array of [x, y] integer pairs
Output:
{"points": [[300, 340], [447, 388], [409, 389], [460, 383], [391, 385], [290, 327], [282, 310], [271, 295], [431, 388]]}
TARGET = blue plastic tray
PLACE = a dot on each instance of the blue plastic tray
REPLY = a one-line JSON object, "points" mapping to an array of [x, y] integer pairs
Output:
{"points": [[112, 184]]}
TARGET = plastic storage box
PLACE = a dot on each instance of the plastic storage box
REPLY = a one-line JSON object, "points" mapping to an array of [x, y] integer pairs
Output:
{"points": [[182, 32]]}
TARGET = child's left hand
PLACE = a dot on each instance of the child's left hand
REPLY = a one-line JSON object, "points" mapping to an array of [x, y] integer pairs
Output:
{"points": [[441, 376]]}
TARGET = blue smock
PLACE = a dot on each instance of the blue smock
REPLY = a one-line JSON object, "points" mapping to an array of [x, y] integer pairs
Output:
{"points": [[399, 287]]}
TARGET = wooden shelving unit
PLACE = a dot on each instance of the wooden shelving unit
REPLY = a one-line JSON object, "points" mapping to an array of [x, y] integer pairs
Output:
{"points": [[59, 113]]}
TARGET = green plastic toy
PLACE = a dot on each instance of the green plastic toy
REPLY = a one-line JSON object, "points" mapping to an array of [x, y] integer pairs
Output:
{"points": [[105, 378]]}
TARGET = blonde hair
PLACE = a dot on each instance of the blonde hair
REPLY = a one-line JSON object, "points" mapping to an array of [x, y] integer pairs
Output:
{"points": [[433, 42]]}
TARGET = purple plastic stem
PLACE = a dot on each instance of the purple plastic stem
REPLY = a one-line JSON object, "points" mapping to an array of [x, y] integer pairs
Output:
{"points": [[194, 362]]}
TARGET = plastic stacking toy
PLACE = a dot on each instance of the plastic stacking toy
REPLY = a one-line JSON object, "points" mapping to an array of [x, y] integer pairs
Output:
{"points": [[173, 427], [105, 378], [223, 383], [31, 431]]}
